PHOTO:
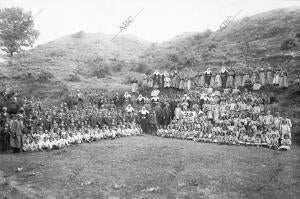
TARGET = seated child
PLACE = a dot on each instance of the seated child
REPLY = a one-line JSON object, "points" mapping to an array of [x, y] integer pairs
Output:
{"points": [[265, 139], [257, 141], [285, 143], [273, 141]]}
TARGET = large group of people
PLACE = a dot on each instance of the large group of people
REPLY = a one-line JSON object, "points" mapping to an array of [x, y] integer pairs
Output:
{"points": [[229, 118], [225, 114], [225, 78], [33, 127]]}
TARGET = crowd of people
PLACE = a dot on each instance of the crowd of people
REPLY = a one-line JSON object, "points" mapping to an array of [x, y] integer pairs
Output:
{"points": [[224, 114], [227, 118], [33, 127], [226, 78]]}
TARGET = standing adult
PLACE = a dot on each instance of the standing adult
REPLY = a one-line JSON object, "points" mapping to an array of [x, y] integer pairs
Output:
{"points": [[224, 74], [153, 123], [207, 76], [16, 136], [144, 119]]}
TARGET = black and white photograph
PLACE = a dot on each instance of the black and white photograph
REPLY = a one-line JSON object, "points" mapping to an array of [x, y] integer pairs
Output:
{"points": [[149, 99]]}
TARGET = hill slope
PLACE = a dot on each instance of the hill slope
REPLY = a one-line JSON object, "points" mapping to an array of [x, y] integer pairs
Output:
{"points": [[249, 41], [254, 39]]}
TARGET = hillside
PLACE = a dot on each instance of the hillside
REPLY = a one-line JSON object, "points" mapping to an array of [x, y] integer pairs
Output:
{"points": [[94, 61], [70, 55], [254, 39]]}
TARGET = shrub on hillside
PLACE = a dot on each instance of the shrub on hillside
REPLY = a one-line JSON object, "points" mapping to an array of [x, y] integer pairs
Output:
{"points": [[74, 78], [203, 35], [142, 68], [79, 34], [288, 44], [44, 76], [117, 68], [101, 72]]}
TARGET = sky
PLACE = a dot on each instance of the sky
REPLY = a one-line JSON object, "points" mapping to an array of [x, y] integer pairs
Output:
{"points": [[159, 20]]}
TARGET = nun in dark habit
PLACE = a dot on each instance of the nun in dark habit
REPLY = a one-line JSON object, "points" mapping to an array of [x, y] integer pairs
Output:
{"points": [[208, 75], [144, 119]]}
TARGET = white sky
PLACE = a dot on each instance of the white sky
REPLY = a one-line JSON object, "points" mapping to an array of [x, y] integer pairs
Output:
{"points": [[160, 20]]}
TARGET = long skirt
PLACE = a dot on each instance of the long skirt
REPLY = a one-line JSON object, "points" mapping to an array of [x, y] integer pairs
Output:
{"points": [[253, 79], [177, 83], [238, 81], [224, 81], [145, 125], [16, 142], [202, 80], [285, 82], [150, 82], [188, 84], [207, 80], [276, 79], [4, 142], [281, 81], [262, 78], [218, 81], [212, 81], [269, 78], [181, 84], [245, 78], [229, 83]]}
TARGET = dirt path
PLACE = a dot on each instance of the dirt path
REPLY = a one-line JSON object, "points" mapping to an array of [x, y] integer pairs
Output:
{"points": [[151, 167]]}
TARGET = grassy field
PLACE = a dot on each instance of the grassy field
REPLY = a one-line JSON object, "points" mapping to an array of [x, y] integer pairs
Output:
{"points": [[152, 167]]}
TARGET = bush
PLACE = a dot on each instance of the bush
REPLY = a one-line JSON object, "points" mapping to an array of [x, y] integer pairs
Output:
{"points": [[288, 44], [212, 46], [101, 72], [142, 68], [74, 78], [117, 68], [79, 34], [45, 76]]}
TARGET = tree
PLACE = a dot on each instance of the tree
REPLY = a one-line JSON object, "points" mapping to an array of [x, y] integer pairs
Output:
{"points": [[16, 29]]}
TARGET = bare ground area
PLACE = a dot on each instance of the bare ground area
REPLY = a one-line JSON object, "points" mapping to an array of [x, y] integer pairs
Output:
{"points": [[151, 167]]}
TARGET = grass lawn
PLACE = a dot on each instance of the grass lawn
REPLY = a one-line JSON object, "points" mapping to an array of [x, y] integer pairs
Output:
{"points": [[151, 167]]}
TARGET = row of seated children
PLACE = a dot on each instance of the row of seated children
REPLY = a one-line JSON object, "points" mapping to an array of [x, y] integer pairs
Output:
{"points": [[232, 135], [63, 138]]}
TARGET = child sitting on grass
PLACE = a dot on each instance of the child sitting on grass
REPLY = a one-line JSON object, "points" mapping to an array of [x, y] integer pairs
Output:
{"points": [[285, 143]]}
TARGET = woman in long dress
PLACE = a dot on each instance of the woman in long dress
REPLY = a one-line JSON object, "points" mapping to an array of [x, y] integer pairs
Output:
{"points": [[230, 82], [238, 80], [167, 81], [144, 120], [269, 76], [188, 84], [262, 76], [207, 77], [281, 79], [212, 80], [202, 80], [224, 75], [276, 77], [218, 81]]}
